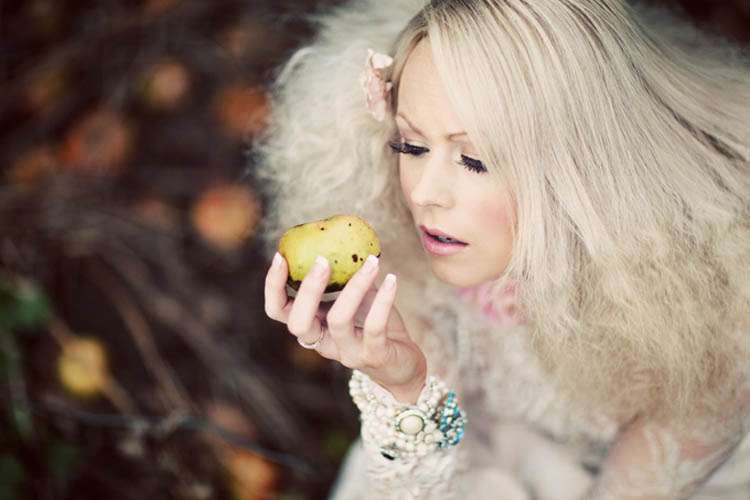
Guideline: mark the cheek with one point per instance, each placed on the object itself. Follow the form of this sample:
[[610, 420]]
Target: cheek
[[495, 214], [406, 186]]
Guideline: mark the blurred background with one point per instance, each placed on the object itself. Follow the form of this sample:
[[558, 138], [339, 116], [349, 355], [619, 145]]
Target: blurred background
[[136, 361]]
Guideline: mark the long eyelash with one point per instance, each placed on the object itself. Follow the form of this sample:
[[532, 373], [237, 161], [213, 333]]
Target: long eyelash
[[409, 149], [473, 165]]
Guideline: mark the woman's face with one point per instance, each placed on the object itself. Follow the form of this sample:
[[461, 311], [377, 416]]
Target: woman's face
[[444, 182]]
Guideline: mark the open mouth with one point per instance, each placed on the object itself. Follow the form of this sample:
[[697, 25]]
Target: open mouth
[[444, 239]]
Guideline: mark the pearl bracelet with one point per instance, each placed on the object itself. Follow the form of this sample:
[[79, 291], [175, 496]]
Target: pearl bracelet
[[402, 430]]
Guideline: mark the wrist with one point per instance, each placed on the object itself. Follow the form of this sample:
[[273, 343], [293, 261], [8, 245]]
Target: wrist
[[409, 393]]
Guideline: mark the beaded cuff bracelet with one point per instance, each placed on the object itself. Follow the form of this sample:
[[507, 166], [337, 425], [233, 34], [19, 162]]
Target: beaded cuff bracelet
[[404, 431]]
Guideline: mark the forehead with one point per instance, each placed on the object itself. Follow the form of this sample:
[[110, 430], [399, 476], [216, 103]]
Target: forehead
[[419, 75], [421, 95]]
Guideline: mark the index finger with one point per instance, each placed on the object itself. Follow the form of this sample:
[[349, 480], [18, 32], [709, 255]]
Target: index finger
[[277, 304]]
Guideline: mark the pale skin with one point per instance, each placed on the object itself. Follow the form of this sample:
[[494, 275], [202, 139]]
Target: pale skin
[[441, 193], [441, 182], [382, 348]]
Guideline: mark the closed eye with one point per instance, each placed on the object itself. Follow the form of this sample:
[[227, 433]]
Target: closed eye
[[407, 149], [410, 149]]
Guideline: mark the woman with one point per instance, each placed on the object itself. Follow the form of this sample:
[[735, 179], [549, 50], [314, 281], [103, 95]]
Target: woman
[[589, 159]]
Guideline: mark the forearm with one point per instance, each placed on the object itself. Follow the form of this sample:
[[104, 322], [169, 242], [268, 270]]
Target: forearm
[[651, 461]]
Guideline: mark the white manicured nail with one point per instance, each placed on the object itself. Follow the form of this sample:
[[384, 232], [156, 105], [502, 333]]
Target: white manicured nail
[[320, 266], [370, 264], [389, 281]]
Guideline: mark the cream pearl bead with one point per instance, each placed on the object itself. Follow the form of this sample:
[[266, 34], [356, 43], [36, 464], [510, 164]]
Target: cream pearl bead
[[411, 424]]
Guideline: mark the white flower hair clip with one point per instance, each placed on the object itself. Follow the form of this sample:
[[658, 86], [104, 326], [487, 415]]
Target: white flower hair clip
[[376, 89]]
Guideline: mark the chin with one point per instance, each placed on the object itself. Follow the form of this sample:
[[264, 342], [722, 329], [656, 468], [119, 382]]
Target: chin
[[455, 276], [456, 279]]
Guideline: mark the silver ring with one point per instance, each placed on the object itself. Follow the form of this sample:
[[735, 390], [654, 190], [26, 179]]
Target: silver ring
[[315, 344]]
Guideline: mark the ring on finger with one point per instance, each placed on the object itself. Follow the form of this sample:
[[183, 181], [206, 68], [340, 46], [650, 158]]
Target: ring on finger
[[313, 345]]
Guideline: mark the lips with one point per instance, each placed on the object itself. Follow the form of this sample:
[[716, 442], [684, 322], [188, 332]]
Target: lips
[[436, 232]]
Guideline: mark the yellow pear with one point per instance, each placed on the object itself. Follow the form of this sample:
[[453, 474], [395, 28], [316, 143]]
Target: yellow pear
[[345, 240]]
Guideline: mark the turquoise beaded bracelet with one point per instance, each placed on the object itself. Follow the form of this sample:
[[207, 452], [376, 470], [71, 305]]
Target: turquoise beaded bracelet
[[451, 422]]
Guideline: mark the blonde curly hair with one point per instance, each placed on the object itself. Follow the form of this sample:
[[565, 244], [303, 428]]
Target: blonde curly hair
[[624, 135]]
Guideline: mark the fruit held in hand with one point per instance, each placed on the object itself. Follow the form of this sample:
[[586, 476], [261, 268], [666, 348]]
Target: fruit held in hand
[[345, 240]]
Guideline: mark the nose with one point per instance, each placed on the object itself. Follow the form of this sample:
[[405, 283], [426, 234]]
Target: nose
[[434, 184]]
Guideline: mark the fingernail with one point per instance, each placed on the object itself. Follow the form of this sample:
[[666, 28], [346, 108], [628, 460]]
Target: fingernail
[[320, 266], [276, 260], [370, 264], [390, 281]]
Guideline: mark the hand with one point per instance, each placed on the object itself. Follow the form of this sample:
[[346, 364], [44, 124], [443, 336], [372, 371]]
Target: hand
[[381, 348]]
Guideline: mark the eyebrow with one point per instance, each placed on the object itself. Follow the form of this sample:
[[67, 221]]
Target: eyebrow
[[415, 129]]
